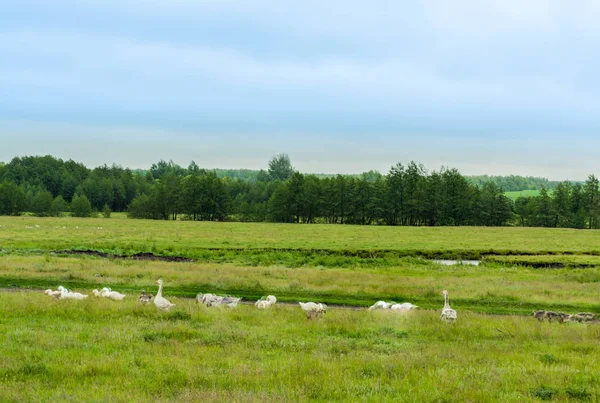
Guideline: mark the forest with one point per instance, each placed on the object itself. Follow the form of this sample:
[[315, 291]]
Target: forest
[[406, 195]]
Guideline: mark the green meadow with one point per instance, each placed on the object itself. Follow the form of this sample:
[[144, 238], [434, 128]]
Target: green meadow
[[514, 195], [192, 239], [102, 350]]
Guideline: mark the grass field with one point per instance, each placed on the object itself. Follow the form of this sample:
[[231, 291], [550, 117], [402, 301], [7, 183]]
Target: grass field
[[185, 238], [101, 350], [522, 193]]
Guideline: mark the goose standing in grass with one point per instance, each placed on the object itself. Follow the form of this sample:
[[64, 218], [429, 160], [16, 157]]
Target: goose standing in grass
[[114, 295], [161, 303], [448, 314], [272, 299], [145, 298], [97, 293]]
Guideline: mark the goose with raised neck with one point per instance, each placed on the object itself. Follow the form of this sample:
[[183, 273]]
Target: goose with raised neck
[[159, 301]]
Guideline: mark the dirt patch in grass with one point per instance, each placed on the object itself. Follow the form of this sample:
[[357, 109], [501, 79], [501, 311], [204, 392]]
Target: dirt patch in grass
[[136, 256]]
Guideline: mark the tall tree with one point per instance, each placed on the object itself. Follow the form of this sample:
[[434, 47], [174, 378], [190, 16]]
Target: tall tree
[[280, 167], [591, 192]]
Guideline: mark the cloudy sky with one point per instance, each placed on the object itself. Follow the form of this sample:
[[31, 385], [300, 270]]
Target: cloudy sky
[[488, 87]]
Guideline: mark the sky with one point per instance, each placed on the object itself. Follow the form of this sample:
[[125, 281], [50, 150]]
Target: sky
[[488, 87]]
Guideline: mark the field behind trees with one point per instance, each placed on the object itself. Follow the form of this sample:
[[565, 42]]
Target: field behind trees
[[98, 349]]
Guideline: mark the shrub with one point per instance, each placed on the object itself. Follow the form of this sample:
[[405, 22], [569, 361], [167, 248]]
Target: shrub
[[81, 206], [106, 211]]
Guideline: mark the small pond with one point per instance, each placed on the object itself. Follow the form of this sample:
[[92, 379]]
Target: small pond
[[446, 262]]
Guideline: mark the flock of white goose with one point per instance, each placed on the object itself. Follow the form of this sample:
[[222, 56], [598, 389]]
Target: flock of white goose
[[311, 309]]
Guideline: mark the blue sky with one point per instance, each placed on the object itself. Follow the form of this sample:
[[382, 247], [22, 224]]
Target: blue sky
[[489, 87]]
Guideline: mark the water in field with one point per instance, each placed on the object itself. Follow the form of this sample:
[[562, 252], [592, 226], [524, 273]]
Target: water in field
[[447, 262]]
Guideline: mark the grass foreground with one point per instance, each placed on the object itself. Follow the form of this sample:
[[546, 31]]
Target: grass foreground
[[98, 349]]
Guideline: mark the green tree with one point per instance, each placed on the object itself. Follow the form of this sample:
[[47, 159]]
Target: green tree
[[81, 206], [141, 207], [280, 167], [106, 211], [395, 195], [495, 207], [591, 197], [562, 205], [12, 199], [42, 204], [544, 209], [59, 206]]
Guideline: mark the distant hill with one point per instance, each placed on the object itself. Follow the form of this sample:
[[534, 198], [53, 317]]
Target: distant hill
[[515, 194], [510, 183], [513, 183]]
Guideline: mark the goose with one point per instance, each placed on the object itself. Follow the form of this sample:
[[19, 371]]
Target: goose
[[380, 305], [67, 294], [564, 317], [550, 315], [262, 304], [161, 303], [211, 300], [539, 315], [230, 302], [448, 314], [114, 295], [97, 293], [406, 306], [583, 317], [55, 294], [266, 302], [312, 309], [145, 298]]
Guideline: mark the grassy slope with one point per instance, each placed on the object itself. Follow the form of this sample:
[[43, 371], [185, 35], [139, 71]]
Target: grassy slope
[[192, 238], [521, 193], [102, 350]]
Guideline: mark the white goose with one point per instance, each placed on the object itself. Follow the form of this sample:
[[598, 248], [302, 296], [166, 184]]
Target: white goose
[[55, 294], [108, 293], [448, 314], [67, 294], [230, 302], [406, 306], [161, 303], [266, 302], [262, 304], [313, 310], [380, 305]]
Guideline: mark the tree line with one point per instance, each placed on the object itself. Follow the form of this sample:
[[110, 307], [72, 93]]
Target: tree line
[[406, 195]]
